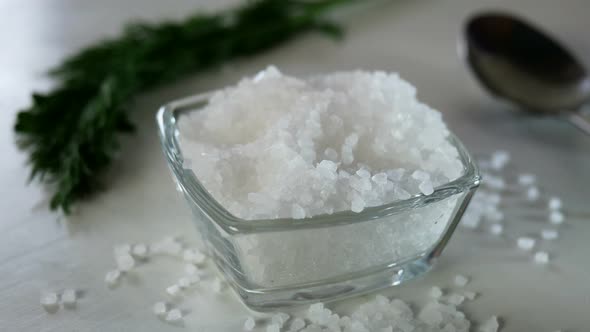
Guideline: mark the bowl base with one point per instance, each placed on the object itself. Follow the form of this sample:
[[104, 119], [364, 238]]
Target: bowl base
[[369, 281]]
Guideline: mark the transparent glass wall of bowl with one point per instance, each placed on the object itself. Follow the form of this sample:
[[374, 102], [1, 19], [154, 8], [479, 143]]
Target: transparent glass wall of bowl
[[273, 263]]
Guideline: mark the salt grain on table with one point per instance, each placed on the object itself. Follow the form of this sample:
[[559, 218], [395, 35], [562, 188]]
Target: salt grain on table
[[554, 203], [160, 309], [541, 257], [461, 280], [174, 316], [112, 278], [50, 302], [173, 290], [125, 262], [556, 217], [525, 243], [549, 234], [69, 298]]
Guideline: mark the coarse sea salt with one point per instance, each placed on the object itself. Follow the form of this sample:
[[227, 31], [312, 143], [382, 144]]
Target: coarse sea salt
[[112, 278], [461, 280], [276, 146], [491, 325], [125, 262], [554, 203], [249, 324], [173, 290], [160, 309], [50, 302], [549, 234], [525, 243], [556, 217], [496, 229], [436, 292], [69, 298], [541, 257], [174, 316], [281, 147]]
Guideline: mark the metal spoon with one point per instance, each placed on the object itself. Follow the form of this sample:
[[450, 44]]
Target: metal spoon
[[522, 64]]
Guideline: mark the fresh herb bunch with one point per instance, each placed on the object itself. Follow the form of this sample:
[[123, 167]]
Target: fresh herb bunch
[[72, 132]]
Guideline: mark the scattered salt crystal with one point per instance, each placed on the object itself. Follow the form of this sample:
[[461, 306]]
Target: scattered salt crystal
[[541, 257], [470, 295], [112, 278], [280, 318], [456, 299], [184, 282], [173, 290], [249, 324], [549, 234], [125, 262], [49, 301], [273, 328], [532, 194], [69, 298], [470, 219], [526, 179], [217, 285], [193, 256], [554, 203], [495, 182], [122, 249], [461, 280], [436, 292], [140, 251], [499, 159], [160, 309], [525, 243], [174, 316], [491, 325], [297, 324], [556, 217], [169, 246], [496, 229]]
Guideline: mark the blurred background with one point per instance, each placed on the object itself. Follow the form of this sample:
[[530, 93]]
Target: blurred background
[[418, 39]]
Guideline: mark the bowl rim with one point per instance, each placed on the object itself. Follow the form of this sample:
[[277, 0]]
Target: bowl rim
[[196, 193]]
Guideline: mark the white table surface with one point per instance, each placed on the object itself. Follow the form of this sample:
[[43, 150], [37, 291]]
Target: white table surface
[[416, 38]]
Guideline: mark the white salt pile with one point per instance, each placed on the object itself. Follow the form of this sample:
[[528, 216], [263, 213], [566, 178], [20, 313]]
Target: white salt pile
[[276, 146]]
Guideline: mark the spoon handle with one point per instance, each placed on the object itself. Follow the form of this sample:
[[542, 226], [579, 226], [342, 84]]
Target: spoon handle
[[579, 121]]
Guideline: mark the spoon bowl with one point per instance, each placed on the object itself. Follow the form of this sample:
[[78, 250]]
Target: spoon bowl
[[518, 62]]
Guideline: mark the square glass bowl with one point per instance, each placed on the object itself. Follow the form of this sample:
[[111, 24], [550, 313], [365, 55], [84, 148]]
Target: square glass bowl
[[284, 262]]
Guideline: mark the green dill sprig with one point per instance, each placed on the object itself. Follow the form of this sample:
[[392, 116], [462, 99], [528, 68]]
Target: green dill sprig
[[72, 132]]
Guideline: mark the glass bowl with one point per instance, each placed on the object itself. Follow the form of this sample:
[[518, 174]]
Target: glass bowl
[[284, 262]]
